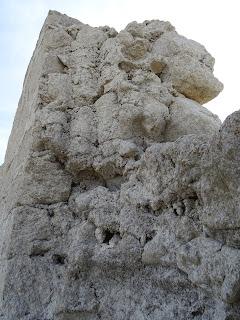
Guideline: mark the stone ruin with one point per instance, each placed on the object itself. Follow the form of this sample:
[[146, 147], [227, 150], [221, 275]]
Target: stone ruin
[[120, 192]]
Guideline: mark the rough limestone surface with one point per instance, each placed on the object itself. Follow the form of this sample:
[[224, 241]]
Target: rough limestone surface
[[119, 194]]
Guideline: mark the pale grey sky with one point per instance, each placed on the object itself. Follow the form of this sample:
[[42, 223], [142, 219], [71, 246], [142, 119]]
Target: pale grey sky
[[213, 23]]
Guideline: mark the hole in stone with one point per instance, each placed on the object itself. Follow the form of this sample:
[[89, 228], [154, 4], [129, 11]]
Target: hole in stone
[[183, 208], [137, 157], [154, 36], [96, 143], [198, 312], [150, 236], [148, 207], [175, 212], [108, 236], [129, 76], [172, 163], [50, 213], [38, 252], [194, 196], [59, 259]]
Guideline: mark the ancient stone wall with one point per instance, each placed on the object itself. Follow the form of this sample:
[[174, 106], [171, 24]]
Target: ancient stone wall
[[119, 192]]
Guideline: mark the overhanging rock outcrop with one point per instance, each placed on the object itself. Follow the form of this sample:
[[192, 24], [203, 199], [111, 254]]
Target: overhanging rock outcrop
[[119, 192]]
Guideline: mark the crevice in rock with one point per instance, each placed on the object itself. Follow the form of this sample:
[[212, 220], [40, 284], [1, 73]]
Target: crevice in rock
[[38, 252], [150, 236], [50, 212], [114, 184], [198, 312], [97, 299], [64, 66], [59, 259], [108, 235]]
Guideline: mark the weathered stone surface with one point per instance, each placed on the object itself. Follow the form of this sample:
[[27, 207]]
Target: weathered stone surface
[[119, 192]]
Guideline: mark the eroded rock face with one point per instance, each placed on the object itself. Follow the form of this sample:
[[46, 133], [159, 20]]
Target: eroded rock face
[[119, 192]]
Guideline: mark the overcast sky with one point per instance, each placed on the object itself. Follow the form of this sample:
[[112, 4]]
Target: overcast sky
[[213, 23]]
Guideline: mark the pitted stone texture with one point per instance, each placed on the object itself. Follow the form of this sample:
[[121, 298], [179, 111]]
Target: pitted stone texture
[[119, 192], [212, 266]]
